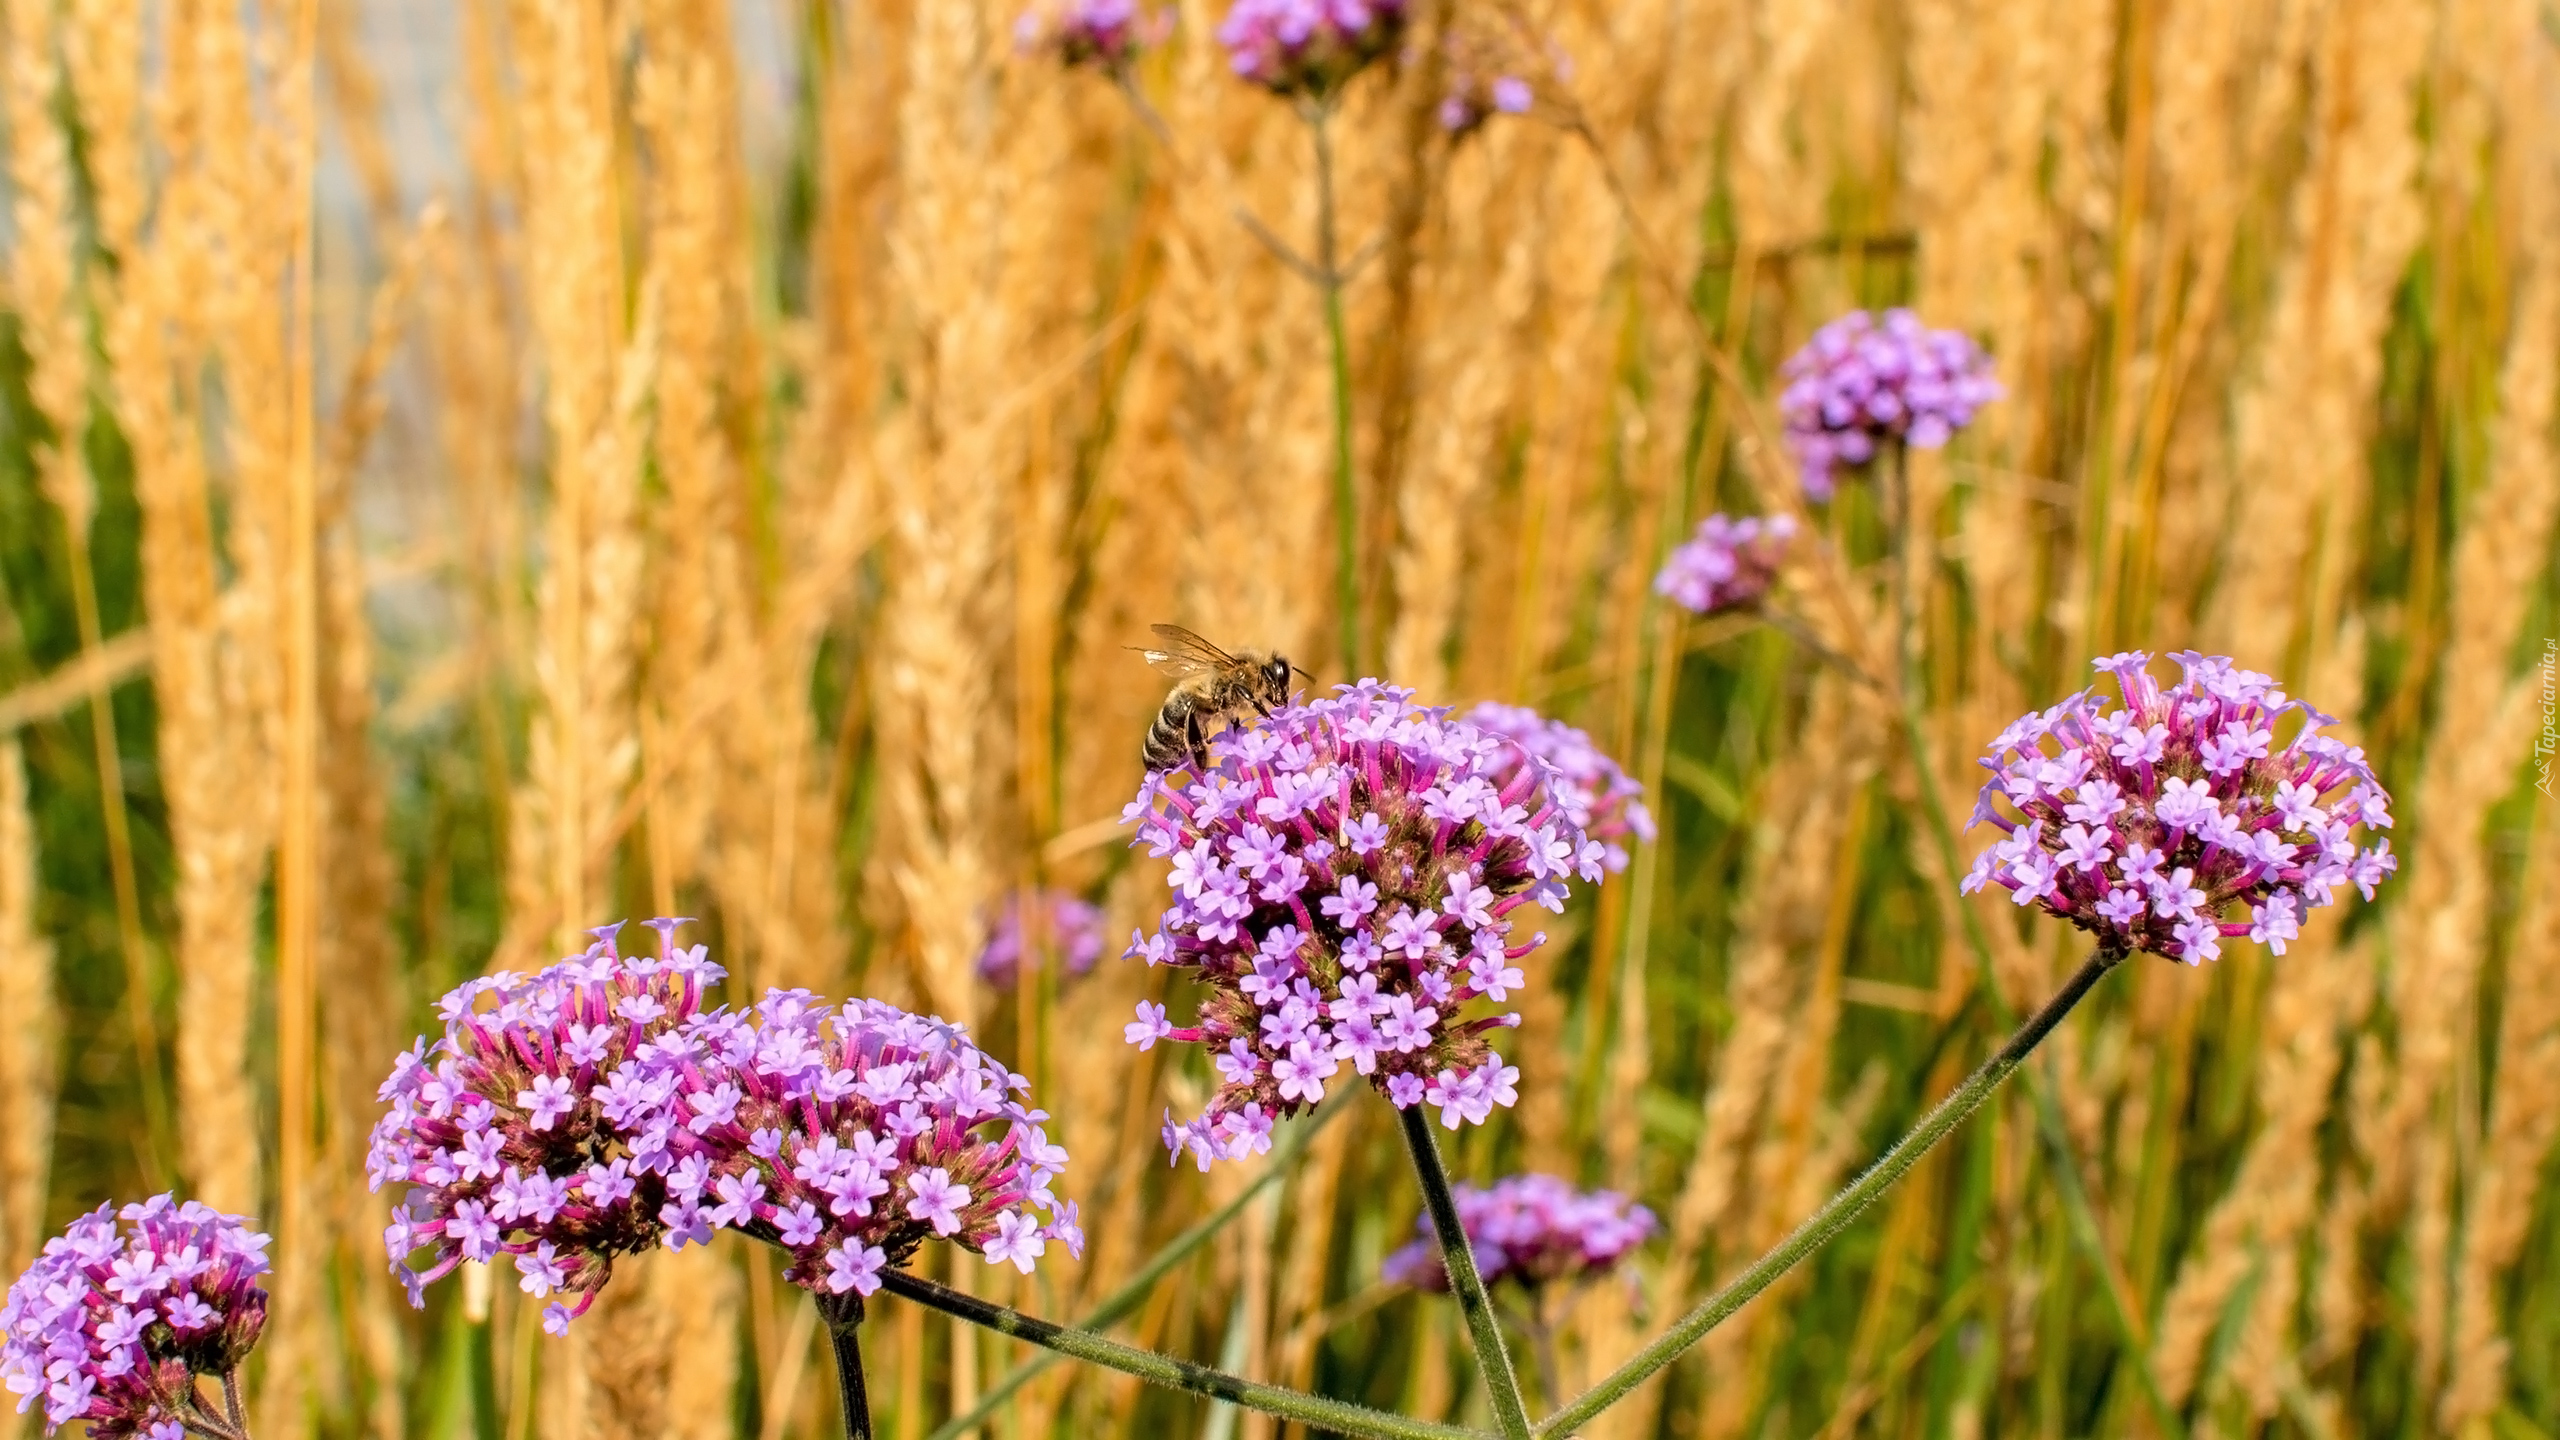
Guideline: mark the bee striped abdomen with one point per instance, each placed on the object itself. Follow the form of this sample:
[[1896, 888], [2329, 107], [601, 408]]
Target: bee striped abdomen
[[1169, 738]]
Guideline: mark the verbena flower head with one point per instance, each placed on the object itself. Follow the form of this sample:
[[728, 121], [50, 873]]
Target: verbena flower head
[[1727, 564], [1475, 98], [1344, 882], [1862, 381], [860, 1132], [1308, 47], [1604, 800], [2175, 821], [1529, 1229], [113, 1326], [1108, 34], [596, 1109], [1074, 934]]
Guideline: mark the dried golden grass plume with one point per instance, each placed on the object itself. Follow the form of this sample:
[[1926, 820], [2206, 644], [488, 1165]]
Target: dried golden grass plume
[[28, 1021]]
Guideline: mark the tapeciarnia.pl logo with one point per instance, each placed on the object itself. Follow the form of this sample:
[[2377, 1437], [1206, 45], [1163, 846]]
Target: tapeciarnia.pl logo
[[2550, 739]]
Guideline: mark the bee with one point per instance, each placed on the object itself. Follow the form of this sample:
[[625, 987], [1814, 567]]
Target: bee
[[1210, 687]]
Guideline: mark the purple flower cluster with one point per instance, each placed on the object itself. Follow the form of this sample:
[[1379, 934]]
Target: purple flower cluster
[[595, 1109], [1475, 97], [113, 1327], [1308, 47], [1075, 930], [1345, 878], [1488, 65], [1602, 800], [1727, 564], [2146, 824], [1104, 33], [1861, 381], [1530, 1228]]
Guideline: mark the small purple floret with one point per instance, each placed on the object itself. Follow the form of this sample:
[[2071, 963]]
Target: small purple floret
[[1075, 935], [1863, 381], [1727, 565], [1531, 1230], [1308, 47], [1108, 34], [1604, 800], [1344, 882], [114, 1327], [2148, 825]]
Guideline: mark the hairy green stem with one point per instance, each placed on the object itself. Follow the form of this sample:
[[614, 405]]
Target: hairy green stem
[[1493, 1358], [1124, 1302], [2041, 1087], [1843, 1208], [844, 1334], [1314, 1411], [1346, 501], [1898, 515]]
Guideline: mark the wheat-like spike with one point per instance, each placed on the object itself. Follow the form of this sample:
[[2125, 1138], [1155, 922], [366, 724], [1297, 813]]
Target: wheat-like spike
[[2523, 1123], [29, 1020], [2439, 925], [2494, 561], [936, 668]]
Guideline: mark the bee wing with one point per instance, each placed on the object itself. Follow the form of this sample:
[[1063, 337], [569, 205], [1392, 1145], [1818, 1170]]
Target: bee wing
[[1185, 654]]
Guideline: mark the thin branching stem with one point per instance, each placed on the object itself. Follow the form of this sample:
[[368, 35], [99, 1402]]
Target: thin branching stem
[[1125, 1301], [1346, 525], [1493, 1358], [1542, 1349], [1314, 1411], [2041, 1087], [1843, 1208]]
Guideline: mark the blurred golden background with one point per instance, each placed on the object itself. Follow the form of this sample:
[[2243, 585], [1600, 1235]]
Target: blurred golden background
[[469, 472]]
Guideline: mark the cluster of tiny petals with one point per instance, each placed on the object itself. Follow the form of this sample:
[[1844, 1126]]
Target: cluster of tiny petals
[[113, 1326], [1599, 797], [1105, 33], [1074, 934], [1474, 98], [2176, 821], [1488, 68], [1530, 1229], [1344, 879], [1308, 47], [1864, 380], [1727, 564], [596, 1109]]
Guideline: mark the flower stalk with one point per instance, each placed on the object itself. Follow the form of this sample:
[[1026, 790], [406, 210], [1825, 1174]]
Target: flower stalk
[[1314, 1411], [1493, 1358], [843, 1314], [1125, 1301], [1330, 279], [1843, 1208]]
